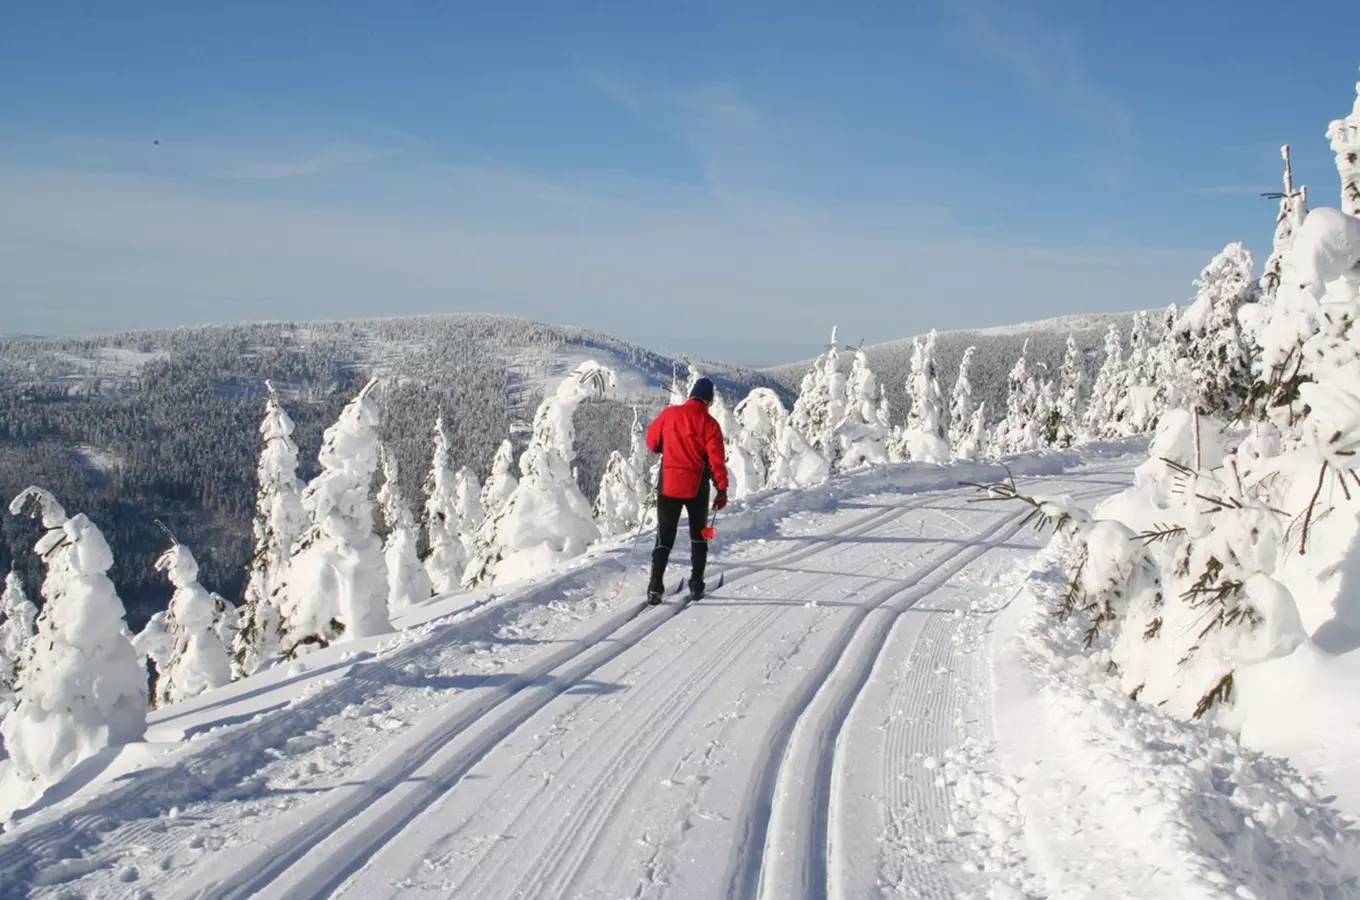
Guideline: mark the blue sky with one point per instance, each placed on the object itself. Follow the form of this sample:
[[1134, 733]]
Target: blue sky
[[722, 178]]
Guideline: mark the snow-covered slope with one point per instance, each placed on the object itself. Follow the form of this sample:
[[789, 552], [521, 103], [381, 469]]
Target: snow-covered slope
[[804, 731]]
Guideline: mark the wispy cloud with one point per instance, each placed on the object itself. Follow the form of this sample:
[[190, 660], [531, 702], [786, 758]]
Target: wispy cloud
[[1044, 52]]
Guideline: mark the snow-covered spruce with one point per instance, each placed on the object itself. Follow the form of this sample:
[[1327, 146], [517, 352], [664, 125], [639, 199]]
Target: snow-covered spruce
[[278, 523], [501, 483], [760, 419], [1170, 364], [624, 489], [446, 557], [337, 578], [1219, 372], [1099, 419], [1021, 431], [407, 581], [821, 401], [961, 409], [862, 436], [193, 658], [1344, 135], [925, 438], [17, 618], [1293, 208], [81, 688], [1071, 395], [1136, 410], [467, 503], [547, 519]]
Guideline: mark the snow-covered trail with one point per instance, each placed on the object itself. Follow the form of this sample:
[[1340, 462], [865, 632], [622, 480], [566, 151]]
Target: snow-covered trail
[[774, 740]]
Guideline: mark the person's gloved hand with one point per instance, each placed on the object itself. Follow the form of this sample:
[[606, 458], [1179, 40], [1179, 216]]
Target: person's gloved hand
[[720, 501]]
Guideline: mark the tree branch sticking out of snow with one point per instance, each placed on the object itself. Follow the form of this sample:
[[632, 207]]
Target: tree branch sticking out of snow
[[337, 578], [82, 688], [547, 519], [278, 523]]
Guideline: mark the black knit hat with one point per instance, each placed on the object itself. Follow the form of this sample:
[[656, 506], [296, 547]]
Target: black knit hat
[[702, 390]]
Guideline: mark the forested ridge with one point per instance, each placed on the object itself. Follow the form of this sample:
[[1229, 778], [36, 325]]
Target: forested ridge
[[145, 427]]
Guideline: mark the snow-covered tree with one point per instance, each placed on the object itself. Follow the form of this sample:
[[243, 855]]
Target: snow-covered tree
[[1071, 395], [547, 519], [407, 581], [1099, 419], [761, 417], [467, 502], [1170, 367], [1136, 409], [278, 523], [961, 407], [1293, 207], [17, 618], [625, 488], [81, 687], [797, 462], [337, 578], [1345, 137], [1021, 431], [501, 484], [1219, 368], [862, 436], [446, 558], [971, 446], [926, 435], [820, 406], [198, 660]]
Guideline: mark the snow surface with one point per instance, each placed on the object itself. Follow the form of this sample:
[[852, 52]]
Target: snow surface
[[849, 716]]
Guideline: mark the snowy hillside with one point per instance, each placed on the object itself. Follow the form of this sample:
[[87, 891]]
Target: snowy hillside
[[997, 349], [140, 426]]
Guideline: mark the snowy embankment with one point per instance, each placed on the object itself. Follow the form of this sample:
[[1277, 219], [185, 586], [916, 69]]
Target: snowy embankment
[[1083, 792]]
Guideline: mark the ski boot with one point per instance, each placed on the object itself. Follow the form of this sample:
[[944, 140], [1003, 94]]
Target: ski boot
[[696, 590]]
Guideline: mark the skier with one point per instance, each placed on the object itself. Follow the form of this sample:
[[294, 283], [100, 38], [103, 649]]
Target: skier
[[690, 442]]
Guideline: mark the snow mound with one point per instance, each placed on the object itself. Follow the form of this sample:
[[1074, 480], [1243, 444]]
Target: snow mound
[[1136, 803]]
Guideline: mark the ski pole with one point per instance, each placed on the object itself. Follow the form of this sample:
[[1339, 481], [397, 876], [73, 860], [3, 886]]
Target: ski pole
[[632, 550]]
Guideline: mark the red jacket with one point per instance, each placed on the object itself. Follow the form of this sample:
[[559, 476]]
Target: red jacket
[[691, 444]]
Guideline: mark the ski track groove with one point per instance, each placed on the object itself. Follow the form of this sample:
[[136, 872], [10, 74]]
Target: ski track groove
[[813, 734], [745, 870], [579, 832], [597, 648], [137, 810], [607, 812], [617, 762]]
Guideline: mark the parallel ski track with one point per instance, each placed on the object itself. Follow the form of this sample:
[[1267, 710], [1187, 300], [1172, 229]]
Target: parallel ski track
[[787, 823], [439, 761], [574, 842], [235, 756]]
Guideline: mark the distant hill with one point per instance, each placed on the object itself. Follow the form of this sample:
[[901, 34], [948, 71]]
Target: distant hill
[[997, 350], [143, 426]]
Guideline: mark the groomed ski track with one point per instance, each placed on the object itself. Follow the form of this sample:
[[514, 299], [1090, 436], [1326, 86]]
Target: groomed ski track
[[774, 740]]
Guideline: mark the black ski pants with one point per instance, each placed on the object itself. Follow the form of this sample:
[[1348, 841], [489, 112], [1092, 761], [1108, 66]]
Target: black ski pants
[[668, 523]]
